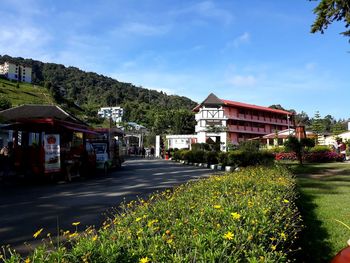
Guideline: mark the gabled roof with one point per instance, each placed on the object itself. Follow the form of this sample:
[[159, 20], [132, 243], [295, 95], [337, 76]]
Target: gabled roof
[[255, 107], [37, 112], [285, 133], [214, 100]]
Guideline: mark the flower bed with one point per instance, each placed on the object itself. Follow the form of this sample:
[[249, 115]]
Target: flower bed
[[312, 157], [247, 216]]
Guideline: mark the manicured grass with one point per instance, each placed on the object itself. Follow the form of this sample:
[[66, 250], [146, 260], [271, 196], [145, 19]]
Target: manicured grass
[[26, 93], [324, 198]]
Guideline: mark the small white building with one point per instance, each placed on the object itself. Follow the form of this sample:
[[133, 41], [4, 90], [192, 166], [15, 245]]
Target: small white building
[[115, 113], [181, 141], [16, 72]]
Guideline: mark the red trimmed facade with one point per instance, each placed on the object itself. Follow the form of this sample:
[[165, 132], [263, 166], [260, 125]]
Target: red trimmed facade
[[234, 121]]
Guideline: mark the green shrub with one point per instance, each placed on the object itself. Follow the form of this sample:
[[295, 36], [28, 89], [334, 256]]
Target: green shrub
[[277, 149], [247, 216], [180, 154], [211, 157], [244, 158], [249, 146], [200, 146], [319, 148], [223, 158], [199, 156]]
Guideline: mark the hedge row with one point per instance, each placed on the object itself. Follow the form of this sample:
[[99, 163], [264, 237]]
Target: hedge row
[[247, 216], [232, 158]]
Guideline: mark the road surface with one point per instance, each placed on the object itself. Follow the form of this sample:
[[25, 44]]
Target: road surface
[[24, 209]]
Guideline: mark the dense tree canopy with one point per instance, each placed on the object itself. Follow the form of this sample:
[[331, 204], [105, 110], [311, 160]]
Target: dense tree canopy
[[74, 88], [329, 11]]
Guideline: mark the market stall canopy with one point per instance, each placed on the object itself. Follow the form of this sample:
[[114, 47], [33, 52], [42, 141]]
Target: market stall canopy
[[27, 112]]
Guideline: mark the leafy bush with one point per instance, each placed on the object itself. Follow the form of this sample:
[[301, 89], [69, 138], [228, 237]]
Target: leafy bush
[[244, 158], [223, 158], [211, 157], [319, 148], [277, 149], [323, 157], [200, 146], [248, 216], [249, 146], [5, 103], [317, 156], [180, 154], [291, 156]]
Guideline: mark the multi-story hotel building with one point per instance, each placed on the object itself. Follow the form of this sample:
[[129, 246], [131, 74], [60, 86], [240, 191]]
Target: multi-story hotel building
[[234, 122], [16, 72], [115, 113]]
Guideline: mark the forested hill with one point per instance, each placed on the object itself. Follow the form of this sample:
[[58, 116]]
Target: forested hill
[[94, 90]]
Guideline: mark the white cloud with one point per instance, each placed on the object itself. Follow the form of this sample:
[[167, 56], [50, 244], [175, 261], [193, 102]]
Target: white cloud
[[238, 41], [23, 40], [143, 29], [243, 81], [207, 9]]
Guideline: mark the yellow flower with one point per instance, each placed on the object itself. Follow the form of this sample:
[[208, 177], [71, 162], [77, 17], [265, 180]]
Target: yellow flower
[[285, 201], [73, 235], [138, 219], [235, 215], [76, 223], [27, 260], [273, 247], [144, 260], [169, 241], [228, 235], [217, 206], [37, 233], [283, 235], [94, 238]]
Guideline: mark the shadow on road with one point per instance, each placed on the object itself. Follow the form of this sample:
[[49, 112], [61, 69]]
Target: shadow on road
[[26, 208]]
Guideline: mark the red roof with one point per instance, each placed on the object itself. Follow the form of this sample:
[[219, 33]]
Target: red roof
[[255, 107]]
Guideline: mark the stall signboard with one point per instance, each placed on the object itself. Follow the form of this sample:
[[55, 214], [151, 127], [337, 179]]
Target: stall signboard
[[52, 153]]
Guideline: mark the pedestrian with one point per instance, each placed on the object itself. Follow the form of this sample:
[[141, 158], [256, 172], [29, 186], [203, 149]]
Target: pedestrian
[[342, 149], [6, 156], [152, 152], [143, 152]]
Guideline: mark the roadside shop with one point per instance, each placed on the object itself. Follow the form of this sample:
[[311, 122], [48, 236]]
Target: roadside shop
[[48, 141]]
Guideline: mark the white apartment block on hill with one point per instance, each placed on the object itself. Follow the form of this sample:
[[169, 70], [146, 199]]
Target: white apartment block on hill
[[115, 113], [16, 72]]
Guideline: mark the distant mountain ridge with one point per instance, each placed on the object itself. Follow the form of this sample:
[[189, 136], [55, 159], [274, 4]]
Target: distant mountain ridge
[[91, 90]]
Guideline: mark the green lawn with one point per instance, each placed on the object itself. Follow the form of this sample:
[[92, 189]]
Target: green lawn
[[25, 93], [324, 198]]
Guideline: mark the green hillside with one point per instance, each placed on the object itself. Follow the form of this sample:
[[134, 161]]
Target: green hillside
[[24, 93], [83, 93]]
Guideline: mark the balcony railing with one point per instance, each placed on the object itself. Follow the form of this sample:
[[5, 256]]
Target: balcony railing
[[258, 119], [245, 129]]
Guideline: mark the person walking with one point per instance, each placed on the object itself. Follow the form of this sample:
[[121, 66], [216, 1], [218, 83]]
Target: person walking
[[6, 156]]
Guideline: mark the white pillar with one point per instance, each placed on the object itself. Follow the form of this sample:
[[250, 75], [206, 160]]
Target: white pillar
[[157, 149]]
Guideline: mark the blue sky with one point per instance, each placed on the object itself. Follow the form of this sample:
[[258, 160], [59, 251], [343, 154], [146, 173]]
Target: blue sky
[[259, 52]]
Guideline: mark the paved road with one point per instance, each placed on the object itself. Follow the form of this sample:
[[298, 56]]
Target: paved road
[[25, 209]]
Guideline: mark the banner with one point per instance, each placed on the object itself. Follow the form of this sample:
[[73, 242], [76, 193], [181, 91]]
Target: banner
[[52, 153]]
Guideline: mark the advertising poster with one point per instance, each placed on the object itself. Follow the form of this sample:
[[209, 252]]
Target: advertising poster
[[52, 153]]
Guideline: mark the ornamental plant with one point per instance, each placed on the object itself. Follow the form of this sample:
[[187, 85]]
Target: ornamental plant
[[246, 216]]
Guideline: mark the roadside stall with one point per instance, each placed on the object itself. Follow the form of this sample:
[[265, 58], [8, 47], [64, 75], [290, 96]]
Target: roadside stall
[[48, 141]]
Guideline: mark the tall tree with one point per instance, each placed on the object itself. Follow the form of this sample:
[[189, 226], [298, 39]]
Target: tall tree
[[329, 11], [317, 124]]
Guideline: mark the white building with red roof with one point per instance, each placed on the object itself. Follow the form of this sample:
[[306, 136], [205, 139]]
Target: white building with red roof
[[232, 122]]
